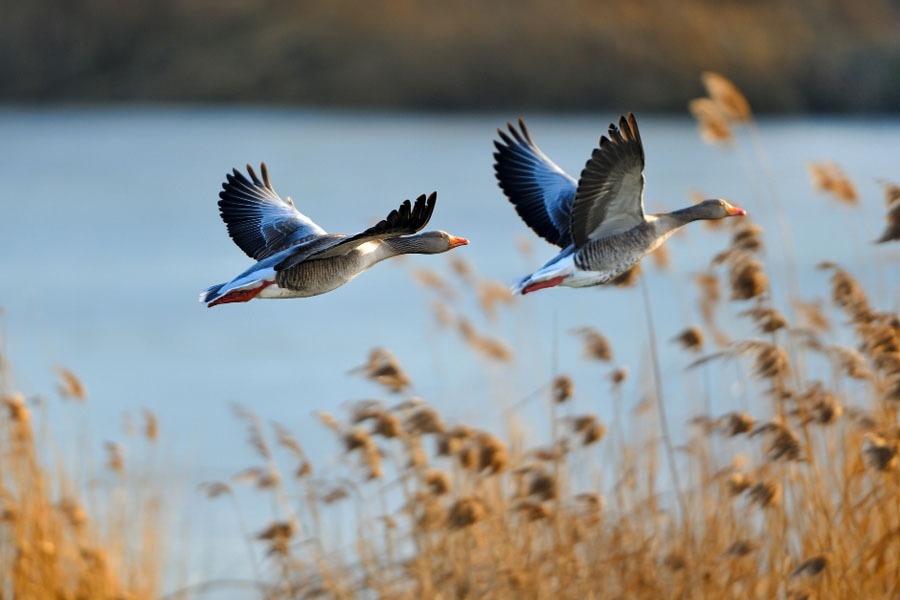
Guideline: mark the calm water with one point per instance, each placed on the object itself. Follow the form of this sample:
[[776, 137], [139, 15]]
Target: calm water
[[109, 230]]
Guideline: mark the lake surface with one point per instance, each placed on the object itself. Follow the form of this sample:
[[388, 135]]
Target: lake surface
[[109, 230]]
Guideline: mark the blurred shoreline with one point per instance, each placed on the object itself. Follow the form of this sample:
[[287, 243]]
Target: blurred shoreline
[[830, 56]]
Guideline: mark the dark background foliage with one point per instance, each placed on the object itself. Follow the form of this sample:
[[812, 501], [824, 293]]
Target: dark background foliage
[[802, 55]]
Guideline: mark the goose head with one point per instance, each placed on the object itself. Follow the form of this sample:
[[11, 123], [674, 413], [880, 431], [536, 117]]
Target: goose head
[[429, 242], [715, 208]]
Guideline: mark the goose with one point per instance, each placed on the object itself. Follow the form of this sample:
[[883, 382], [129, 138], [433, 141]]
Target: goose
[[599, 220], [295, 257]]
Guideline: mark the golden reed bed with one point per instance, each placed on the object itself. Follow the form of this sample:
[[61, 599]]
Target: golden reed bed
[[794, 497]]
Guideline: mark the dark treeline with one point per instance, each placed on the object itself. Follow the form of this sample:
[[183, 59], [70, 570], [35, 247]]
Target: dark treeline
[[799, 55]]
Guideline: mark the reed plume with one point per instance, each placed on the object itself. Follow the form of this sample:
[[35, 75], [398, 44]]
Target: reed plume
[[892, 201], [830, 178], [714, 127], [727, 97]]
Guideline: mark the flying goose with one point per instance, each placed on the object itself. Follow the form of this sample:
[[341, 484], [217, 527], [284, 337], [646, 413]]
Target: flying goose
[[599, 220], [295, 257]]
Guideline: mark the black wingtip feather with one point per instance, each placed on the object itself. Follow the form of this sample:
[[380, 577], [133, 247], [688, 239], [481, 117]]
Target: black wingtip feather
[[407, 218], [253, 176], [265, 174]]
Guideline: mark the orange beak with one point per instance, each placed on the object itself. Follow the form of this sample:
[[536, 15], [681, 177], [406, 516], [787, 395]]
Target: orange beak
[[734, 211], [458, 241]]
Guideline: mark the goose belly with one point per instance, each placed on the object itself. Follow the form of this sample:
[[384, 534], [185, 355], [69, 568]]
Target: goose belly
[[316, 277], [276, 291], [599, 276], [601, 261]]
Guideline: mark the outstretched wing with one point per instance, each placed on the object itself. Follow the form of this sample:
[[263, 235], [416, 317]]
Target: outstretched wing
[[407, 219], [611, 189], [258, 220], [541, 192]]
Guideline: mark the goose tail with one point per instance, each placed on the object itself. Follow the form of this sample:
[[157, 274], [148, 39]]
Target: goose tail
[[211, 293], [519, 285]]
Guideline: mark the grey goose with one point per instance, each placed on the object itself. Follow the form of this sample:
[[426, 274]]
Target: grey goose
[[598, 221], [295, 257]]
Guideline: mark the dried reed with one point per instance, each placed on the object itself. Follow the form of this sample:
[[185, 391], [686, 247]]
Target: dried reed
[[892, 201], [830, 178]]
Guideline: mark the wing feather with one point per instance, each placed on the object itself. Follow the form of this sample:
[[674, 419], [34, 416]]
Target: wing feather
[[609, 198], [540, 191], [258, 220], [408, 219]]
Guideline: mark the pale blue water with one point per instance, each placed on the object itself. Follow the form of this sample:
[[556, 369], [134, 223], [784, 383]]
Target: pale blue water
[[109, 230]]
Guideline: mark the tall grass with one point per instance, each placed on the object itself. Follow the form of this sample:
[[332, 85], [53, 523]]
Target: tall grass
[[791, 494], [64, 534], [795, 497]]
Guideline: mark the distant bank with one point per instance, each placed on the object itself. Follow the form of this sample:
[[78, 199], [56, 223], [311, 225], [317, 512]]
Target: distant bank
[[798, 56]]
